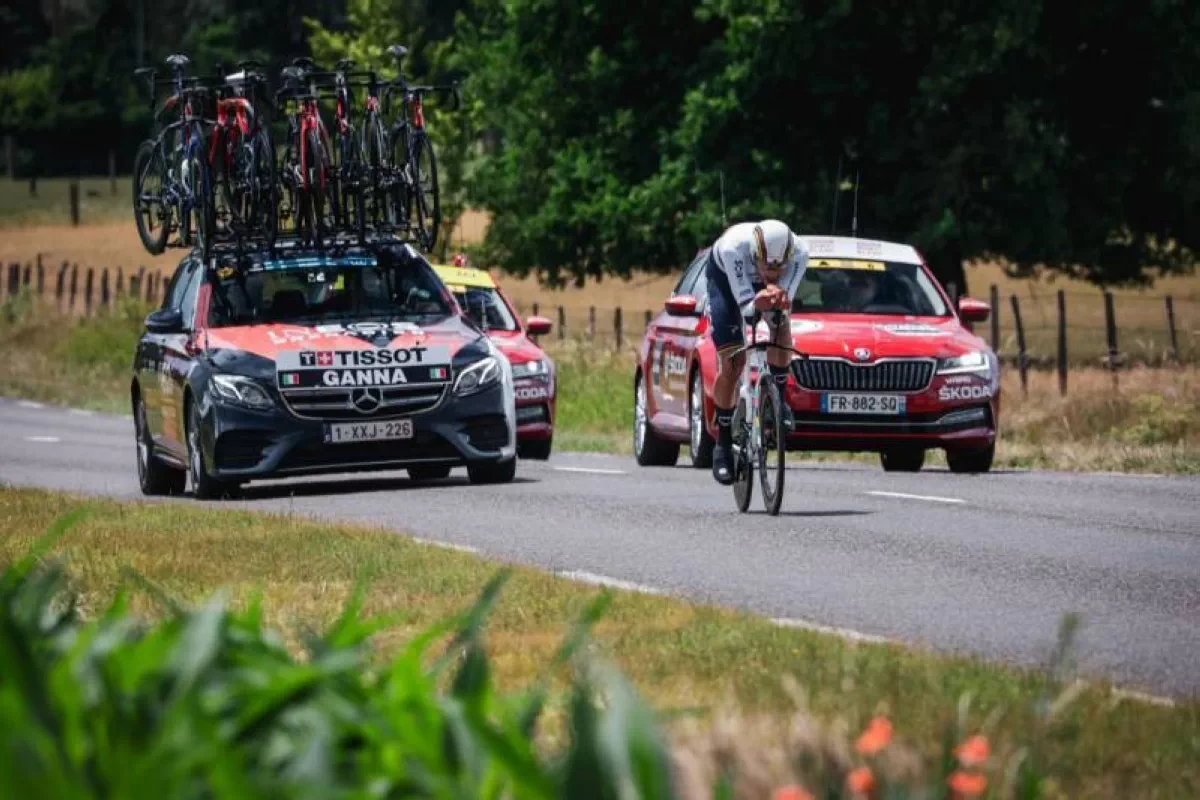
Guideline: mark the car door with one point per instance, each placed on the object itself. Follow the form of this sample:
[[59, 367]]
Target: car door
[[179, 353], [164, 357], [150, 359], [676, 336]]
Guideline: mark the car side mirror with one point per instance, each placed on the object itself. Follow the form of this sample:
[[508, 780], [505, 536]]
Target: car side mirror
[[682, 305], [537, 326], [165, 320], [972, 310]]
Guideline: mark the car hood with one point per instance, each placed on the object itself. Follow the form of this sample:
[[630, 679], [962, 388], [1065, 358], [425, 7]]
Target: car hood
[[267, 341], [886, 336], [516, 346]]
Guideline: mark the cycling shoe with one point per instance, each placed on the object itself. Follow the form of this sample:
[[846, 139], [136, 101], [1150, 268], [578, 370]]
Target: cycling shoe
[[722, 465]]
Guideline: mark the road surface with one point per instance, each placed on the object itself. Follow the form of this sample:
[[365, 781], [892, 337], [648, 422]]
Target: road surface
[[985, 565]]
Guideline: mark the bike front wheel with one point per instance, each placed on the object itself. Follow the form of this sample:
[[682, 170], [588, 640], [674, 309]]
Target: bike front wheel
[[426, 196], [772, 444], [151, 211], [743, 464]]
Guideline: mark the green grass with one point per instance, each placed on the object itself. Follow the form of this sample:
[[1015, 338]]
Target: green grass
[[738, 673], [52, 204]]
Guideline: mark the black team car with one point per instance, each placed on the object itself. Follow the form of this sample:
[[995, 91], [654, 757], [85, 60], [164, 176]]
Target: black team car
[[268, 364]]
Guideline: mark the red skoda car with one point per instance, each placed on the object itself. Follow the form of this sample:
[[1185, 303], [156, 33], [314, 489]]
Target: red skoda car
[[893, 366]]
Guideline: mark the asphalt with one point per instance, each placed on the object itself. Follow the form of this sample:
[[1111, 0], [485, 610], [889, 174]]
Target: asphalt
[[985, 565]]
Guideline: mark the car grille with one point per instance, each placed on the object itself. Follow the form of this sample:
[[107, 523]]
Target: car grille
[[835, 374], [331, 404], [314, 453]]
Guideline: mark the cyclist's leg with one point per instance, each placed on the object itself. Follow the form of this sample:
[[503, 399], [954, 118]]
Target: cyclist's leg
[[726, 320], [779, 362]]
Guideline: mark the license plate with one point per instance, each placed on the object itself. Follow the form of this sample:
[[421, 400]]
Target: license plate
[[835, 403], [337, 433]]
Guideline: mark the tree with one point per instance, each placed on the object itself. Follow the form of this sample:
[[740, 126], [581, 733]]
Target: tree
[[973, 126]]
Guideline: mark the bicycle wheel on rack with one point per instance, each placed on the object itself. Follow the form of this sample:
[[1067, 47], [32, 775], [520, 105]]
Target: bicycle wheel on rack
[[425, 192], [312, 195], [237, 178], [743, 465], [265, 192], [352, 172], [151, 213], [374, 164], [772, 443]]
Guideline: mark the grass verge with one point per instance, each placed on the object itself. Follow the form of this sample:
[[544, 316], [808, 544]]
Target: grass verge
[[1148, 422], [1084, 741]]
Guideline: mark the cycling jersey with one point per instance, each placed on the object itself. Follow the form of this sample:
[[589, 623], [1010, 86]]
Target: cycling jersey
[[734, 280]]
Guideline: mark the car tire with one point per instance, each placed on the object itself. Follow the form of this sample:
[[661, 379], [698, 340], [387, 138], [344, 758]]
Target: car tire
[[155, 477], [429, 472], [903, 459], [536, 449], [649, 448], [492, 471], [701, 443], [204, 486], [971, 461]]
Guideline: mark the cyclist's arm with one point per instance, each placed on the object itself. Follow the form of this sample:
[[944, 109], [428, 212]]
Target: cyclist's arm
[[796, 270]]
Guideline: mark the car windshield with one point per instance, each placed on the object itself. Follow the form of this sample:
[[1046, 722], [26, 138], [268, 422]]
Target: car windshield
[[486, 307], [852, 286], [295, 291]]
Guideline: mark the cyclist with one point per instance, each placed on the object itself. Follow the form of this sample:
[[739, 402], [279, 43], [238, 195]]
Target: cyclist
[[752, 267]]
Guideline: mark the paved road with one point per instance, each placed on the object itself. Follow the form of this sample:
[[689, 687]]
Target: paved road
[[985, 565]]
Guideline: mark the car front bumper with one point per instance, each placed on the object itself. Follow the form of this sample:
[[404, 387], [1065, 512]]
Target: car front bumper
[[244, 445], [535, 408]]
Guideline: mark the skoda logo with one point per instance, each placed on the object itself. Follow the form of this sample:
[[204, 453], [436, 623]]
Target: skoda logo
[[862, 354], [366, 400]]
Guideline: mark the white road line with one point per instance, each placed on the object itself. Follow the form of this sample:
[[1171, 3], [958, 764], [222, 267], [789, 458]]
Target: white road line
[[29, 404], [1142, 697], [611, 583], [592, 470], [80, 412], [43, 439], [461, 548], [928, 497], [841, 633]]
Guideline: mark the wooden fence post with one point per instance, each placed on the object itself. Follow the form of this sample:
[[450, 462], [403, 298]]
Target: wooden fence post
[[591, 328], [60, 285], [1110, 331], [120, 288], [87, 291], [1062, 342], [618, 329], [27, 276], [74, 199], [105, 297], [535, 308], [994, 294], [562, 324], [1022, 363], [649, 316], [14, 280], [41, 276], [1171, 329], [74, 287]]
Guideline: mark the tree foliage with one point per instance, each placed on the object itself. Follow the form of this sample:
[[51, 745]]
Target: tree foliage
[[1012, 130]]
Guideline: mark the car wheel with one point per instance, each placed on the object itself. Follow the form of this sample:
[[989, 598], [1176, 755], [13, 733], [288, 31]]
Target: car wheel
[[154, 477], [701, 443], [492, 472], [903, 459], [649, 449], [537, 449], [429, 472], [975, 460], [204, 486]]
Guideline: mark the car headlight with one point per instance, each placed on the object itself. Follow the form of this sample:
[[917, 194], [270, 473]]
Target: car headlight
[[480, 375], [530, 368], [241, 391], [974, 362]]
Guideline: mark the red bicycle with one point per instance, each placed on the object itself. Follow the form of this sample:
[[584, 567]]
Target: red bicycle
[[304, 169], [241, 154]]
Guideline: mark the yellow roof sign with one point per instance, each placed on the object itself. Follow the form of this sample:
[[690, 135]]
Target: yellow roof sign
[[464, 276], [846, 263]]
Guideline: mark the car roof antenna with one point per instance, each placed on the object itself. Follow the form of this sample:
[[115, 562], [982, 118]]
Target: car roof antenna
[[854, 219], [837, 191]]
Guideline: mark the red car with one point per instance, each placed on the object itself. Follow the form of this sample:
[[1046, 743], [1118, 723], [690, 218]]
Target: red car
[[893, 367], [533, 371]]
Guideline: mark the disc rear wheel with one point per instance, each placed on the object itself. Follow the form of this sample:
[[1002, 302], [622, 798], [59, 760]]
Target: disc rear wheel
[[772, 444], [743, 464]]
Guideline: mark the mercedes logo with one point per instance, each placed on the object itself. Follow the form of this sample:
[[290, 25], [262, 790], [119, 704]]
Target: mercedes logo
[[862, 354], [366, 401]]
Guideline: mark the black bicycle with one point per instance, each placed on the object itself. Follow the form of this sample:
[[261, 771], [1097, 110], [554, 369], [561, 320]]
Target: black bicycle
[[172, 181]]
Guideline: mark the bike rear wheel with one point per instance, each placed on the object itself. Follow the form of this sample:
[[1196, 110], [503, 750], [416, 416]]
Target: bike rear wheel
[[200, 202], [151, 212], [743, 465], [312, 195], [265, 191], [425, 192], [772, 444]]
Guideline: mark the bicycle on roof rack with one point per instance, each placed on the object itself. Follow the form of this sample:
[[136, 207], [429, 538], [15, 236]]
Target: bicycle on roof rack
[[304, 168], [242, 155], [172, 180], [759, 438]]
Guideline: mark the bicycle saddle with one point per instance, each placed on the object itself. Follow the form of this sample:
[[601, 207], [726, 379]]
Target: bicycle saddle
[[398, 50], [178, 61]]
